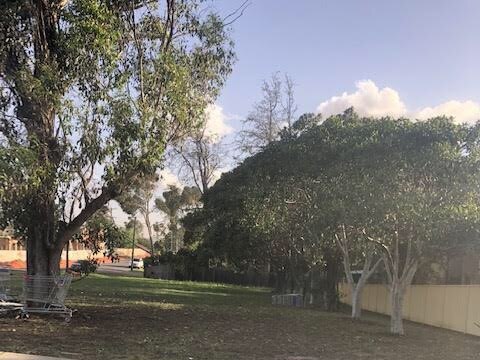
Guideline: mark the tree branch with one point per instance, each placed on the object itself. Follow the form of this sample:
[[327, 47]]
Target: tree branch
[[72, 228]]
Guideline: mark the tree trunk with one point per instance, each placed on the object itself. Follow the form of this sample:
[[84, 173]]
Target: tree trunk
[[133, 243], [357, 289], [397, 293], [398, 288], [332, 276], [357, 292], [42, 260], [44, 248], [149, 230]]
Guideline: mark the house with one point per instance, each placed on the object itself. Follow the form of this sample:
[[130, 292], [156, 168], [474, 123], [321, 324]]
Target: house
[[8, 241]]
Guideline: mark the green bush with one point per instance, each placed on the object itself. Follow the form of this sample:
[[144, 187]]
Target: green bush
[[182, 262], [88, 266]]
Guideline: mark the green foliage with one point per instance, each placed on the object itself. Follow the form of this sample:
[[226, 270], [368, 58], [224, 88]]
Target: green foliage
[[101, 234], [386, 181], [182, 262], [87, 267], [93, 91], [173, 204]]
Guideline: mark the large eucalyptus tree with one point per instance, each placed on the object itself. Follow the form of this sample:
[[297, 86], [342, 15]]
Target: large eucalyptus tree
[[92, 91]]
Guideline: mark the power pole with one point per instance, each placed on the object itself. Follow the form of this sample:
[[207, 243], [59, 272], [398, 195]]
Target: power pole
[[133, 242], [67, 252]]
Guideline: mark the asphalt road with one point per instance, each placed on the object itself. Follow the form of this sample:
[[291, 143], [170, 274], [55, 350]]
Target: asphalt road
[[120, 268]]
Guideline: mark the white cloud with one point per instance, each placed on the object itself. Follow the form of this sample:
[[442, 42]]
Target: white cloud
[[217, 174], [370, 100], [462, 111], [216, 123], [167, 177]]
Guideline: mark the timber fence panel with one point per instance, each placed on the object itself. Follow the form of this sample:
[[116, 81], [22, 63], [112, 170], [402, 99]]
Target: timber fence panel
[[455, 307], [434, 307], [473, 312]]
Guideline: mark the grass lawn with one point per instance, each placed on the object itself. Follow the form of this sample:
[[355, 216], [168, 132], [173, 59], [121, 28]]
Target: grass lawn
[[135, 318]]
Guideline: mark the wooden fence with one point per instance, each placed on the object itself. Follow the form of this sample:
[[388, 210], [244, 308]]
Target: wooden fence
[[455, 307]]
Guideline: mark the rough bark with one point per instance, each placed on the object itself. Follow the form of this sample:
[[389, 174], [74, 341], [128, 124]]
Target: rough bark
[[42, 259], [133, 244], [47, 237]]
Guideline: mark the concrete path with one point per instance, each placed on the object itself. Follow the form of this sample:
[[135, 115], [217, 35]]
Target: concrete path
[[12, 356]]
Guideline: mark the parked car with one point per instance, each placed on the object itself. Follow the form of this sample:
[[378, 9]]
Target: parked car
[[76, 267], [83, 267], [137, 264]]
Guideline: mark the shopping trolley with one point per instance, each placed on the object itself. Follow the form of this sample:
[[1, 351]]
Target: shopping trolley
[[4, 284], [7, 304], [46, 295]]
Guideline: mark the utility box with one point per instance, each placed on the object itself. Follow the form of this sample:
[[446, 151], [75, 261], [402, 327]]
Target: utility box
[[288, 299]]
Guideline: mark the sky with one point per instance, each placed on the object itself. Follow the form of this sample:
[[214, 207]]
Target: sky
[[414, 58], [426, 51]]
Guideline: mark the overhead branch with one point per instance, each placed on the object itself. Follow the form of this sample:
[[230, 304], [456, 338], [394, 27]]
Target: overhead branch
[[236, 14], [72, 228]]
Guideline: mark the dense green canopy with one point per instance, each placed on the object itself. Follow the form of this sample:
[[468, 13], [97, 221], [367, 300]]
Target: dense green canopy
[[410, 188]]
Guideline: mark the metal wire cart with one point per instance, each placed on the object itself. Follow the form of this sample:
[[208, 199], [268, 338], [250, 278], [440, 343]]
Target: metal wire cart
[[46, 295]]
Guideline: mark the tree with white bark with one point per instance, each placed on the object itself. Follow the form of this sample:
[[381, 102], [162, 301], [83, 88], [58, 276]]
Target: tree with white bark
[[425, 189], [405, 191], [366, 251]]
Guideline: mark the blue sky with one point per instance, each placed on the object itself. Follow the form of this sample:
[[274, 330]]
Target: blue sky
[[426, 50]]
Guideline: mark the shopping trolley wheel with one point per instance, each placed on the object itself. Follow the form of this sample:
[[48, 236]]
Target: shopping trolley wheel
[[23, 316], [68, 317]]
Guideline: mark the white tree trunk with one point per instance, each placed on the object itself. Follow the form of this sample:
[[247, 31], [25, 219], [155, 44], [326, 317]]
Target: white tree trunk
[[357, 302], [398, 288], [357, 289], [397, 293]]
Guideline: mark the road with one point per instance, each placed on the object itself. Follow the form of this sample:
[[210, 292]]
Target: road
[[120, 268]]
